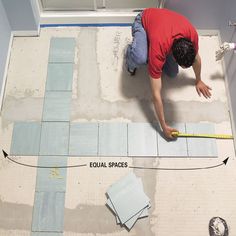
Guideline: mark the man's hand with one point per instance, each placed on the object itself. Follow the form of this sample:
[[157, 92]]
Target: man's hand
[[203, 89], [168, 132], [200, 86]]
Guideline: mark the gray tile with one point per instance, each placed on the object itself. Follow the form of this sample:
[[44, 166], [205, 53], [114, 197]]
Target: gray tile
[[142, 139], [144, 212], [54, 138], [122, 186], [51, 179], [45, 234], [201, 147], [129, 224], [119, 186], [57, 106], [26, 138], [112, 139], [62, 50], [127, 180], [83, 139], [129, 202], [175, 148], [59, 77], [109, 204], [48, 213]]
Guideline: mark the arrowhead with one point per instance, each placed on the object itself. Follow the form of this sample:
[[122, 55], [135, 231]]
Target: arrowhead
[[226, 160], [4, 153]]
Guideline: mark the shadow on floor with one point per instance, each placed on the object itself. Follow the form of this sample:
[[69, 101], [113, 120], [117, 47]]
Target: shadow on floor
[[217, 76], [138, 87]]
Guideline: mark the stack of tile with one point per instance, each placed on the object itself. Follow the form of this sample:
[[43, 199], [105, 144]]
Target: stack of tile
[[128, 201]]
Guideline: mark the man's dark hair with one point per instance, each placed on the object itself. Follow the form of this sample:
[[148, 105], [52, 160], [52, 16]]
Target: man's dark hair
[[183, 52]]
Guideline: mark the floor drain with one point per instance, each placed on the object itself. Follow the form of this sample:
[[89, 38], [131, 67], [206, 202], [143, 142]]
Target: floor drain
[[218, 227]]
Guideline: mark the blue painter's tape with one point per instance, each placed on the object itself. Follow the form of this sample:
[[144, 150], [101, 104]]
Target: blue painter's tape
[[87, 25]]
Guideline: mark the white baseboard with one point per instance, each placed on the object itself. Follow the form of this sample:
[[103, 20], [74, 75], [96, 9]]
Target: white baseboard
[[208, 32], [5, 71], [20, 33], [96, 17]]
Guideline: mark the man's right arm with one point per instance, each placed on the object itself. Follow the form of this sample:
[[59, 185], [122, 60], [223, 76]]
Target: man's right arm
[[158, 105]]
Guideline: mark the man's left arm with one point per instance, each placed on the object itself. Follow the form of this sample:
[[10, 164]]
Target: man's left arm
[[201, 87]]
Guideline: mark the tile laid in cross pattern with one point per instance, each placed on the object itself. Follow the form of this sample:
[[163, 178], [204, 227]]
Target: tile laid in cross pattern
[[54, 138], [51, 179], [59, 77], [57, 106], [142, 139], [26, 138], [48, 213], [173, 148], [83, 139], [62, 50], [112, 139], [201, 147]]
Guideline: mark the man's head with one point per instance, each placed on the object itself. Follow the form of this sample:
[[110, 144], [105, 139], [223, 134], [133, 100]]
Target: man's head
[[183, 51]]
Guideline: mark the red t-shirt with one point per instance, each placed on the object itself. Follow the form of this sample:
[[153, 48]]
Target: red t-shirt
[[163, 27]]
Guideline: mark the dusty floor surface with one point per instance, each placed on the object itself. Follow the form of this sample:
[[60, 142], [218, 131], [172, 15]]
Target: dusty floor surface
[[183, 202]]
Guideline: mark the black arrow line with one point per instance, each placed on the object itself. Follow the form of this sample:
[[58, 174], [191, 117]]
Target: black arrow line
[[132, 167], [43, 167], [196, 168]]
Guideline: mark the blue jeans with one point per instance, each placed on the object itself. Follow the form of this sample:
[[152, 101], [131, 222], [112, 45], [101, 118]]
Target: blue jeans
[[137, 52]]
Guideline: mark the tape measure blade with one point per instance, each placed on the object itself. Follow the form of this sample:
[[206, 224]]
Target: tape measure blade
[[217, 136]]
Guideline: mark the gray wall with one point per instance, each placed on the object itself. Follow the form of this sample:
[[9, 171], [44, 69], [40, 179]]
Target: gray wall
[[5, 33], [20, 15], [204, 14]]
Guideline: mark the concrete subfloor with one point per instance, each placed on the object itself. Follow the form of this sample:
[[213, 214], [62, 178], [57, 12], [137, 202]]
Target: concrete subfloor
[[183, 202]]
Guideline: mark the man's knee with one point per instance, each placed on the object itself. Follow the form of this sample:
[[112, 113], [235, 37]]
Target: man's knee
[[172, 73]]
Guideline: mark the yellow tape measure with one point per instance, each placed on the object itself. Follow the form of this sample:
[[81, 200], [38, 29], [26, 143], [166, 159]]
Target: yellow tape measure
[[216, 136]]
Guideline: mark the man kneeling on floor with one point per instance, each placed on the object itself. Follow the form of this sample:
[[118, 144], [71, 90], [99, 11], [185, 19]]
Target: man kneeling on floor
[[164, 39]]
